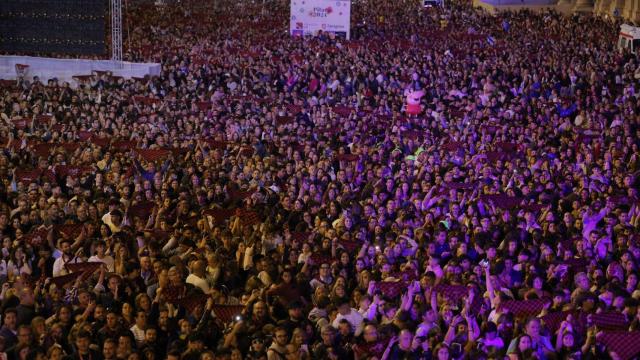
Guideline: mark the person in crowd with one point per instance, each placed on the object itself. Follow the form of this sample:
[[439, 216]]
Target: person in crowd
[[276, 197]]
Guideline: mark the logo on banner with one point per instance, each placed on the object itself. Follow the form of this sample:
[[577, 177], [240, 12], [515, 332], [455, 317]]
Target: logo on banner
[[318, 12]]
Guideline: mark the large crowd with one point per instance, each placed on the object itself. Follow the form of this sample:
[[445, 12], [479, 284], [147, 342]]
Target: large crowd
[[269, 197]]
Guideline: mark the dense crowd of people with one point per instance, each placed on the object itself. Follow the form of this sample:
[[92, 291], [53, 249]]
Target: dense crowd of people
[[268, 197]]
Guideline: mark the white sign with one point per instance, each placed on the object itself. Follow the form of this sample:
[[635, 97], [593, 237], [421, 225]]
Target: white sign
[[308, 17]]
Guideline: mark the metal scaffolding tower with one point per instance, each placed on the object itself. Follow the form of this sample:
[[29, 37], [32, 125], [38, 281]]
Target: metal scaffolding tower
[[115, 7]]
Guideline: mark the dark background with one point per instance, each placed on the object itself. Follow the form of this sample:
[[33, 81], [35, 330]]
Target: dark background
[[53, 26]]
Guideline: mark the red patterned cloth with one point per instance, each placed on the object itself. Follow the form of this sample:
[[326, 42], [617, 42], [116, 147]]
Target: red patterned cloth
[[453, 292], [219, 215], [452, 146], [282, 120], [69, 230], [44, 119], [533, 207], [367, 350], [411, 134], [153, 154], [190, 303], [123, 145], [146, 100], [42, 149], [248, 217], [70, 146], [350, 246], [62, 280], [35, 237], [28, 176], [87, 268], [502, 201], [300, 236], [227, 313], [458, 186], [342, 110], [102, 142], [84, 135], [506, 146], [391, 289], [142, 210], [20, 123], [347, 157], [74, 171], [240, 195], [159, 235], [215, 144], [173, 293], [525, 308], [553, 320], [319, 258], [203, 105], [406, 275], [625, 344], [610, 321]]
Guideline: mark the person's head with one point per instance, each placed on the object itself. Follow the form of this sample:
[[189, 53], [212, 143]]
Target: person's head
[[491, 331], [24, 334], [65, 247], [257, 342], [141, 319], [568, 339], [174, 355], [112, 319], [404, 339], [370, 333], [532, 328], [442, 352], [328, 334], [280, 336], [55, 353], [260, 309], [196, 343], [343, 305], [298, 336], [524, 343], [10, 318], [27, 296], [150, 335], [344, 327], [109, 349], [83, 340]]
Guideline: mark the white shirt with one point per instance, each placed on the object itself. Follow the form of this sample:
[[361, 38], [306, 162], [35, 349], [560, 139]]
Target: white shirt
[[107, 260], [198, 282], [138, 334], [58, 265], [354, 318]]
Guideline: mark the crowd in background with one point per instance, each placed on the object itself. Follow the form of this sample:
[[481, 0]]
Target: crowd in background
[[268, 197]]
